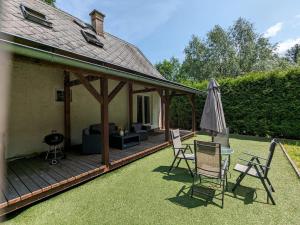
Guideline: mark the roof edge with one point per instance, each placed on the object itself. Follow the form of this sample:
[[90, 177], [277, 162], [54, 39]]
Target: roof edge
[[54, 55]]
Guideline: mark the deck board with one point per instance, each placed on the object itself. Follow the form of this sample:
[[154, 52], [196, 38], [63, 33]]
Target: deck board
[[10, 193], [28, 180], [3, 200], [44, 185], [41, 173], [17, 183]]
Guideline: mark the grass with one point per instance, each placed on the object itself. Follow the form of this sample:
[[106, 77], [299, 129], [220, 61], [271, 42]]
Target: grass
[[142, 193], [293, 149]]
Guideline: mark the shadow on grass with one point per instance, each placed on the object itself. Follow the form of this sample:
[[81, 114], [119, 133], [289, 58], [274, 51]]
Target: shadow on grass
[[184, 199], [246, 194], [204, 195], [177, 174]]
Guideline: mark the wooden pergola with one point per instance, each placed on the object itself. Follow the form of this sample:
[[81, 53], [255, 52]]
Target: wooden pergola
[[104, 98]]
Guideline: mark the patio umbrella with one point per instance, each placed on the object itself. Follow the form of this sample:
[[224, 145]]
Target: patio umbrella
[[213, 120]]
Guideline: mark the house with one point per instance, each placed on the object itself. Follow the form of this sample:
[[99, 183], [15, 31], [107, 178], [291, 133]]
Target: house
[[66, 75]]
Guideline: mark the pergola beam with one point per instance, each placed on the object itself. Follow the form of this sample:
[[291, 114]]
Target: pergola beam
[[116, 90], [90, 88], [78, 82], [144, 90]]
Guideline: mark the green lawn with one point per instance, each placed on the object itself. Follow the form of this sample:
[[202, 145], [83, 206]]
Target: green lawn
[[293, 149], [142, 193]]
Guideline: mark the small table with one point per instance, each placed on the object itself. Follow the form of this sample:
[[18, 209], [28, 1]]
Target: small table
[[227, 151], [123, 142]]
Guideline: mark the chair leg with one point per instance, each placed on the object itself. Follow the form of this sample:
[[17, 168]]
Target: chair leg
[[192, 193], [188, 166], [172, 165], [223, 192], [226, 182], [269, 194], [178, 163], [239, 180], [269, 182]]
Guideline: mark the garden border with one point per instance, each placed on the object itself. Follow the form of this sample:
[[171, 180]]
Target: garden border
[[290, 160]]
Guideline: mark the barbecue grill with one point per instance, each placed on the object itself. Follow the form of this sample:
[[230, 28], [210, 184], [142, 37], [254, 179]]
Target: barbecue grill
[[55, 142]]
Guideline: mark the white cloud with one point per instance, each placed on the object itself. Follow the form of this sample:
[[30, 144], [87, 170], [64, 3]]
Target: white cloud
[[273, 30], [297, 16], [287, 44]]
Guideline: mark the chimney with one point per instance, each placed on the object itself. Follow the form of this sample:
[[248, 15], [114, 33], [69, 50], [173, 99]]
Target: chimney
[[97, 19]]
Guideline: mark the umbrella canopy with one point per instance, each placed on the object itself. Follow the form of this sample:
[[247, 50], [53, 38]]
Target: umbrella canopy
[[213, 120]]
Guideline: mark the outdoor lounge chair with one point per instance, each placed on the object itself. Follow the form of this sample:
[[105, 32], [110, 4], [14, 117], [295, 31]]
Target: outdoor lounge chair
[[256, 169], [179, 150], [209, 164]]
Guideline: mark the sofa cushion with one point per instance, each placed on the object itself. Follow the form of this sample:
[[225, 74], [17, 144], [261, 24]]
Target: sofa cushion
[[137, 127], [95, 129]]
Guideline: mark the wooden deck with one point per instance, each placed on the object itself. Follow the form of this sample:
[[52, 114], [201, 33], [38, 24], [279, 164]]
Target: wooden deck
[[30, 180]]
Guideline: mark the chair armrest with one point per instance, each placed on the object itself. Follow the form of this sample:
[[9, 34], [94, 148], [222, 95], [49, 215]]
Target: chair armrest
[[247, 153], [187, 144], [253, 163]]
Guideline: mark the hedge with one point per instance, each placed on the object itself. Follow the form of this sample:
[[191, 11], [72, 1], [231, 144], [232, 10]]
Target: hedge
[[261, 104]]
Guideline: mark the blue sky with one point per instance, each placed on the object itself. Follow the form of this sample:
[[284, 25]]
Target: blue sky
[[162, 29]]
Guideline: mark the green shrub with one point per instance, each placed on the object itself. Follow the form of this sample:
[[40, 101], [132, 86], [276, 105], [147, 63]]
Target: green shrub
[[262, 104]]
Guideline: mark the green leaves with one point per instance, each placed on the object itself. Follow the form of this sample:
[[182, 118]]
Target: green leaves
[[227, 53], [50, 2], [258, 103], [170, 69]]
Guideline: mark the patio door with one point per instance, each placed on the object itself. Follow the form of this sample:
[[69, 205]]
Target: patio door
[[144, 109]]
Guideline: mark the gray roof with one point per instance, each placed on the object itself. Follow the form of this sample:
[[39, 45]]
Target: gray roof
[[66, 35]]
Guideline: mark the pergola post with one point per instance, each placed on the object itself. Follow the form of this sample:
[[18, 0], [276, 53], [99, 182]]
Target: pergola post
[[162, 107], [192, 100], [130, 104], [167, 116], [67, 110], [104, 121]]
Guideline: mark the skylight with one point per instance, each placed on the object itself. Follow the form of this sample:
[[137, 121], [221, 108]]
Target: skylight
[[91, 38], [35, 16], [81, 24]]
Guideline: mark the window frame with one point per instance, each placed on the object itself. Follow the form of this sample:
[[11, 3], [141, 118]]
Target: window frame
[[81, 24], [35, 16], [143, 108], [92, 40]]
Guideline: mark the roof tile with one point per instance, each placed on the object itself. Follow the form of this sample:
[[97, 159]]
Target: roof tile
[[66, 35]]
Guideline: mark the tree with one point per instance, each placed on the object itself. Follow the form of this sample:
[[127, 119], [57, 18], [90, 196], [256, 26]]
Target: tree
[[221, 53], [170, 69], [254, 52], [231, 52], [50, 2], [195, 66], [293, 54]]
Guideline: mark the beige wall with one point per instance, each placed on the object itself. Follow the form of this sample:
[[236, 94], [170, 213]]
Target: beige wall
[[34, 113]]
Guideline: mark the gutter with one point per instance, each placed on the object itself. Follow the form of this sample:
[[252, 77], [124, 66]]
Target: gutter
[[50, 56]]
